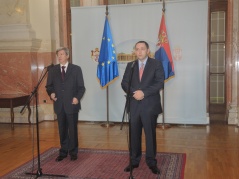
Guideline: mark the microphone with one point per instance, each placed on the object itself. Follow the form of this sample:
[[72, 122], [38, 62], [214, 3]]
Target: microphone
[[132, 66], [49, 66]]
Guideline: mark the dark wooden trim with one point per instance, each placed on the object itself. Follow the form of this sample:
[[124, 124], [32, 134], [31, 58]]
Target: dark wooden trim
[[68, 27], [226, 6], [220, 5], [65, 25]]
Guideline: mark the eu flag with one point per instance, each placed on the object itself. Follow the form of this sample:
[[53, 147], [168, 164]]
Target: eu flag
[[107, 70], [163, 52]]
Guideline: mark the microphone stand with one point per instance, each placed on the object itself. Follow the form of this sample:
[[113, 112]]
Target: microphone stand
[[35, 93], [127, 107]]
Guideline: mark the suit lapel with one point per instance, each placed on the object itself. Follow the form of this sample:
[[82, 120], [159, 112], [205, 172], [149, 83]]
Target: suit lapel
[[69, 70], [137, 71], [58, 69]]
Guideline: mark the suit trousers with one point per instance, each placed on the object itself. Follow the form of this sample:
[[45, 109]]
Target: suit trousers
[[141, 119], [68, 131]]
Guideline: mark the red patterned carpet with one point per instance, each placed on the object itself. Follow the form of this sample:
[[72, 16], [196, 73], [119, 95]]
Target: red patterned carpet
[[100, 164]]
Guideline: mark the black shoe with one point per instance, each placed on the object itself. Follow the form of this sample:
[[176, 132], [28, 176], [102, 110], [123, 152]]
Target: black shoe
[[73, 157], [155, 169], [127, 169], [60, 158]]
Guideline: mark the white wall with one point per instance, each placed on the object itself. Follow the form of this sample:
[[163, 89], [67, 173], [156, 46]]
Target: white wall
[[186, 20], [43, 23]]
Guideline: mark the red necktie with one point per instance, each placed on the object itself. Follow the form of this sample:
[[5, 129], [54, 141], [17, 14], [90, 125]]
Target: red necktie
[[141, 71], [63, 72]]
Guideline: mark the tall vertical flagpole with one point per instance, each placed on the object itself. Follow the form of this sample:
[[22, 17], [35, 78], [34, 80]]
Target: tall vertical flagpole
[[107, 124], [107, 89], [163, 125]]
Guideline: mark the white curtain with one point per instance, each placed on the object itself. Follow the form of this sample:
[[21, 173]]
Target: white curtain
[[186, 21]]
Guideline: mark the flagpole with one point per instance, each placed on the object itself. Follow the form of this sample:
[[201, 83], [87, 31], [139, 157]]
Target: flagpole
[[107, 124], [163, 6], [163, 125]]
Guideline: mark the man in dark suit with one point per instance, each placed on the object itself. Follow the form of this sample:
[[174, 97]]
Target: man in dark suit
[[65, 86], [145, 104]]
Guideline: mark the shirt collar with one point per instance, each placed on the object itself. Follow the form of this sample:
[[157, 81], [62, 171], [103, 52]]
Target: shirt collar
[[144, 62], [66, 65]]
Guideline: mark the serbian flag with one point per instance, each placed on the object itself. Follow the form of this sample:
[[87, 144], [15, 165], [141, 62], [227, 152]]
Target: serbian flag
[[163, 52]]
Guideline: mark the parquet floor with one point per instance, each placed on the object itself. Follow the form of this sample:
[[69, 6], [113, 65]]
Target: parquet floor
[[212, 151]]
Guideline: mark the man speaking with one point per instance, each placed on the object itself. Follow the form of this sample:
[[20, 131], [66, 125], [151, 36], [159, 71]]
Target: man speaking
[[145, 104], [65, 86]]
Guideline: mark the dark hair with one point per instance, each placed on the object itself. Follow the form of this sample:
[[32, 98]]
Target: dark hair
[[67, 51], [146, 44]]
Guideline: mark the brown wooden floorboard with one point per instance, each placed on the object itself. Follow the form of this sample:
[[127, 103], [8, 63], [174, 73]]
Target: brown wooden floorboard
[[212, 151]]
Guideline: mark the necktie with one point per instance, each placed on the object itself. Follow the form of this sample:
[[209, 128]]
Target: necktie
[[63, 72], [141, 70]]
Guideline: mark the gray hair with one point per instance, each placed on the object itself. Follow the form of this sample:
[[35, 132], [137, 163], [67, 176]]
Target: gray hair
[[67, 51]]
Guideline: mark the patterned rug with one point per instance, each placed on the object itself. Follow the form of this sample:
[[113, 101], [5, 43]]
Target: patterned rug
[[99, 164]]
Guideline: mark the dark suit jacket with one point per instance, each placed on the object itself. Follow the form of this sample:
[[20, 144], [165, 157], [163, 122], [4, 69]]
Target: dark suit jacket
[[72, 86], [151, 83]]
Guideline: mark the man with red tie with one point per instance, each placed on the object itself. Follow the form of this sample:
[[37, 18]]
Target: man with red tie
[[65, 86], [145, 104]]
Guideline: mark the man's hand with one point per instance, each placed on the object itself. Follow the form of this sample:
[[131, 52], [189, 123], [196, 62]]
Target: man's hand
[[138, 95], [75, 101], [53, 96]]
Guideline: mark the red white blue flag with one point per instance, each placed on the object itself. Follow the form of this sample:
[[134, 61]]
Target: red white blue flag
[[163, 52]]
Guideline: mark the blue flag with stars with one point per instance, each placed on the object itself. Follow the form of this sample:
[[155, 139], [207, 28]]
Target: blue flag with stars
[[107, 70]]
